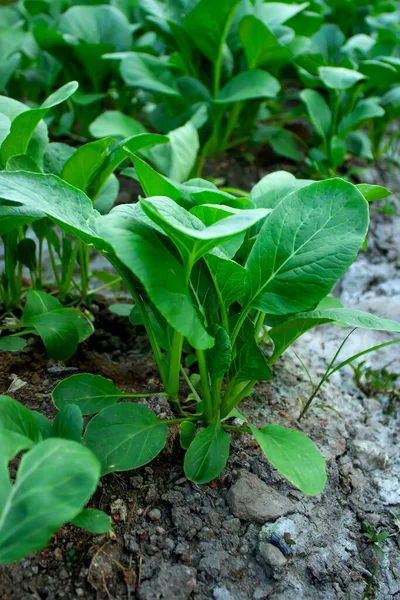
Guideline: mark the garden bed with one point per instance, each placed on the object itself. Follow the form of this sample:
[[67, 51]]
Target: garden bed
[[173, 539]]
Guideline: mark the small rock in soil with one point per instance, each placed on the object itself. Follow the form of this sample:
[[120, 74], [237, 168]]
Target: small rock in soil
[[173, 581], [271, 556], [371, 455], [155, 514], [253, 500]]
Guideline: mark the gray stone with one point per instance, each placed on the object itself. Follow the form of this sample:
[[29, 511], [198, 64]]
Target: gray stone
[[370, 454], [272, 556], [251, 499], [173, 581], [222, 593]]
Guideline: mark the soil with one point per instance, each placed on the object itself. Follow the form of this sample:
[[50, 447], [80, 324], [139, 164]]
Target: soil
[[174, 540]]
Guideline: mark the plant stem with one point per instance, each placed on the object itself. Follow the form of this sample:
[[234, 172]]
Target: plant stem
[[130, 284], [84, 269], [259, 324], [230, 126], [238, 326], [53, 262], [174, 365], [236, 428], [218, 62], [208, 403], [234, 398], [40, 265]]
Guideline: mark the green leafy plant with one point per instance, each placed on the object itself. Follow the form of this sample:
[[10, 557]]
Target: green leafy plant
[[89, 168], [61, 329], [55, 479], [216, 75], [206, 270]]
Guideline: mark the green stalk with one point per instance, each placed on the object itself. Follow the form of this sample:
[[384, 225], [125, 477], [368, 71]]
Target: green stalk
[[130, 284], [65, 284], [53, 263], [175, 354], [174, 366], [230, 126], [259, 324], [238, 326], [208, 403], [235, 396], [218, 62], [84, 259], [39, 278]]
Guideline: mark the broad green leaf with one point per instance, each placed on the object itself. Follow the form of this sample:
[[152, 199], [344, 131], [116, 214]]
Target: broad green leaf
[[38, 303], [54, 481], [308, 242], [147, 72], [337, 147], [93, 520], [318, 110], [118, 153], [152, 182], [282, 141], [187, 431], [359, 144], [229, 279], [97, 25], [209, 33], [249, 84], [339, 78], [380, 74], [22, 162], [284, 334], [23, 125], [177, 159], [328, 42], [115, 124], [68, 423], [139, 248], [350, 317], [56, 156], [365, 110], [83, 326], [80, 168], [294, 455], [250, 361], [277, 13], [107, 196], [10, 109], [190, 235], [373, 192], [207, 454], [261, 46], [16, 418], [91, 393], [273, 188], [11, 343], [121, 309], [58, 332], [70, 208], [219, 357], [10, 444], [45, 425], [125, 437], [26, 253]]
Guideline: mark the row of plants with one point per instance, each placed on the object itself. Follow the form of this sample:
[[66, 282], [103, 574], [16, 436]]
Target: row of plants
[[235, 272], [244, 77], [223, 280]]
